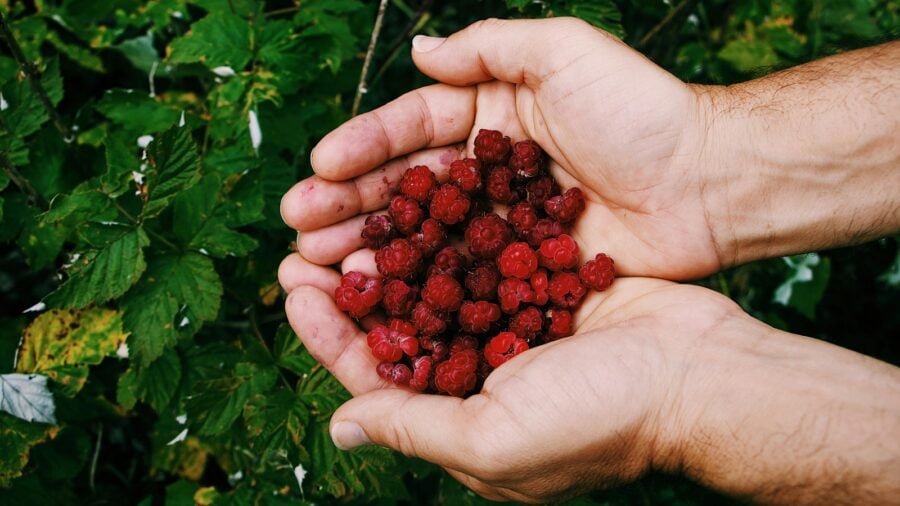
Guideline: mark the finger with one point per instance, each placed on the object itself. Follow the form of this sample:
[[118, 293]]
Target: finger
[[329, 245], [436, 115], [316, 202], [333, 339], [295, 270], [363, 261]]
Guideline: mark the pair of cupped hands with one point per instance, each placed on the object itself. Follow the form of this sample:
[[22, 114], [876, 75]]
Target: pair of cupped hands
[[653, 363]]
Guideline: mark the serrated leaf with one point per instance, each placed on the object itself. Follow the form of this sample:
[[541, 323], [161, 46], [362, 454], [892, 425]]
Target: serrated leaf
[[154, 384], [24, 113], [275, 422], [137, 112], [289, 353], [603, 14], [205, 219], [26, 396], [62, 344], [173, 166], [221, 39], [749, 55], [215, 403], [17, 437]]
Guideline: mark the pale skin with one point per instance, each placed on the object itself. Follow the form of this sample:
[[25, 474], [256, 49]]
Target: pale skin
[[681, 182]]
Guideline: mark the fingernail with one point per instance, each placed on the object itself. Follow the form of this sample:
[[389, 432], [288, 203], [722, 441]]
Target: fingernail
[[348, 435], [424, 43]]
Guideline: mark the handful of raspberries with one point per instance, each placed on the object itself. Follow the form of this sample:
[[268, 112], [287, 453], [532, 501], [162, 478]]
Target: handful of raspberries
[[456, 313]]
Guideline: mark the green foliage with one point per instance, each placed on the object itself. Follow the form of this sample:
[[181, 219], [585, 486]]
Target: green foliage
[[152, 235]]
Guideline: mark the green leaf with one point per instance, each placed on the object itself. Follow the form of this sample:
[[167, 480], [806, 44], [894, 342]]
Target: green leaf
[[289, 352], [221, 39], [749, 55], [24, 114], [205, 221], [137, 112], [275, 422], [17, 437], [806, 284], [141, 52], [215, 403], [154, 384], [102, 274], [26, 396], [600, 13], [173, 166]]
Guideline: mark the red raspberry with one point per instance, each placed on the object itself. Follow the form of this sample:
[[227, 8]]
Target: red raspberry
[[560, 324], [544, 229], [499, 185], [390, 343], [462, 343], [477, 317], [457, 376], [399, 298], [539, 283], [466, 174], [558, 253], [428, 321], [377, 231], [406, 214], [398, 374], [384, 369], [487, 235], [449, 205], [511, 292], [443, 293], [540, 190], [439, 349], [449, 261], [399, 259], [599, 273], [527, 323], [565, 289], [491, 146], [517, 261], [421, 374], [358, 294], [526, 159], [522, 217], [418, 183], [503, 347], [432, 236], [482, 282], [565, 207]]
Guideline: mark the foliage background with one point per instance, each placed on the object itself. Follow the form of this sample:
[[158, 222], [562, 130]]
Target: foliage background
[[182, 267]]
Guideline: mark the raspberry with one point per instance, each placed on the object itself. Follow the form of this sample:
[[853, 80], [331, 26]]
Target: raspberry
[[491, 146], [466, 174], [498, 186], [527, 323], [399, 298], [456, 376], [517, 261], [565, 207], [443, 293], [432, 236], [599, 273], [421, 373], [539, 283], [399, 259], [398, 374], [560, 324], [462, 343], [482, 282], [565, 289], [503, 347], [428, 321], [544, 229], [477, 317], [418, 183], [439, 349], [449, 205], [540, 190], [406, 214], [449, 261], [522, 217], [358, 294], [390, 343], [558, 253], [511, 292], [526, 159], [377, 231], [487, 235]]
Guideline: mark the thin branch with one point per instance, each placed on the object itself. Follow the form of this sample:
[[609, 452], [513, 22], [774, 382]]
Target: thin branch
[[21, 182], [95, 457], [662, 24], [34, 78], [376, 31]]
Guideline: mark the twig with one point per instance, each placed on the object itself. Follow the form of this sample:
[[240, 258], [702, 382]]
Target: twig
[[376, 31], [95, 457], [665, 21], [392, 55], [21, 182], [283, 10], [34, 78], [411, 26]]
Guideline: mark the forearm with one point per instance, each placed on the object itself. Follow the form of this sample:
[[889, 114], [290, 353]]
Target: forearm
[[807, 158]]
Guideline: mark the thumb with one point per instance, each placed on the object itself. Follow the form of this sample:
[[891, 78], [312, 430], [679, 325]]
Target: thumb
[[514, 51]]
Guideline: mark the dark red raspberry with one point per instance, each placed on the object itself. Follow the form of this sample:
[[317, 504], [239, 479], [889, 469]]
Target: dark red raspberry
[[487, 235], [512, 292], [565, 289], [544, 229], [428, 321], [523, 217], [558, 253], [399, 298], [462, 343], [438, 348], [421, 374], [565, 207], [527, 323], [390, 343], [466, 174], [377, 231], [491, 146], [498, 186], [398, 374], [599, 273], [449, 261], [517, 260], [482, 282], [399, 259], [431, 237], [477, 317], [560, 324], [443, 293], [449, 204], [540, 190], [406, 214], [457, 375], [358, 294], [418, 183], [384, 370], [503, 347], [526, 159], [539, 283]]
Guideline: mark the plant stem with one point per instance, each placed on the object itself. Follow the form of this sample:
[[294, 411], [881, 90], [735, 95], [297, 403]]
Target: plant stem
[[376, 31], [21, 182], [34, 78], [95, 457], [662, 24]]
